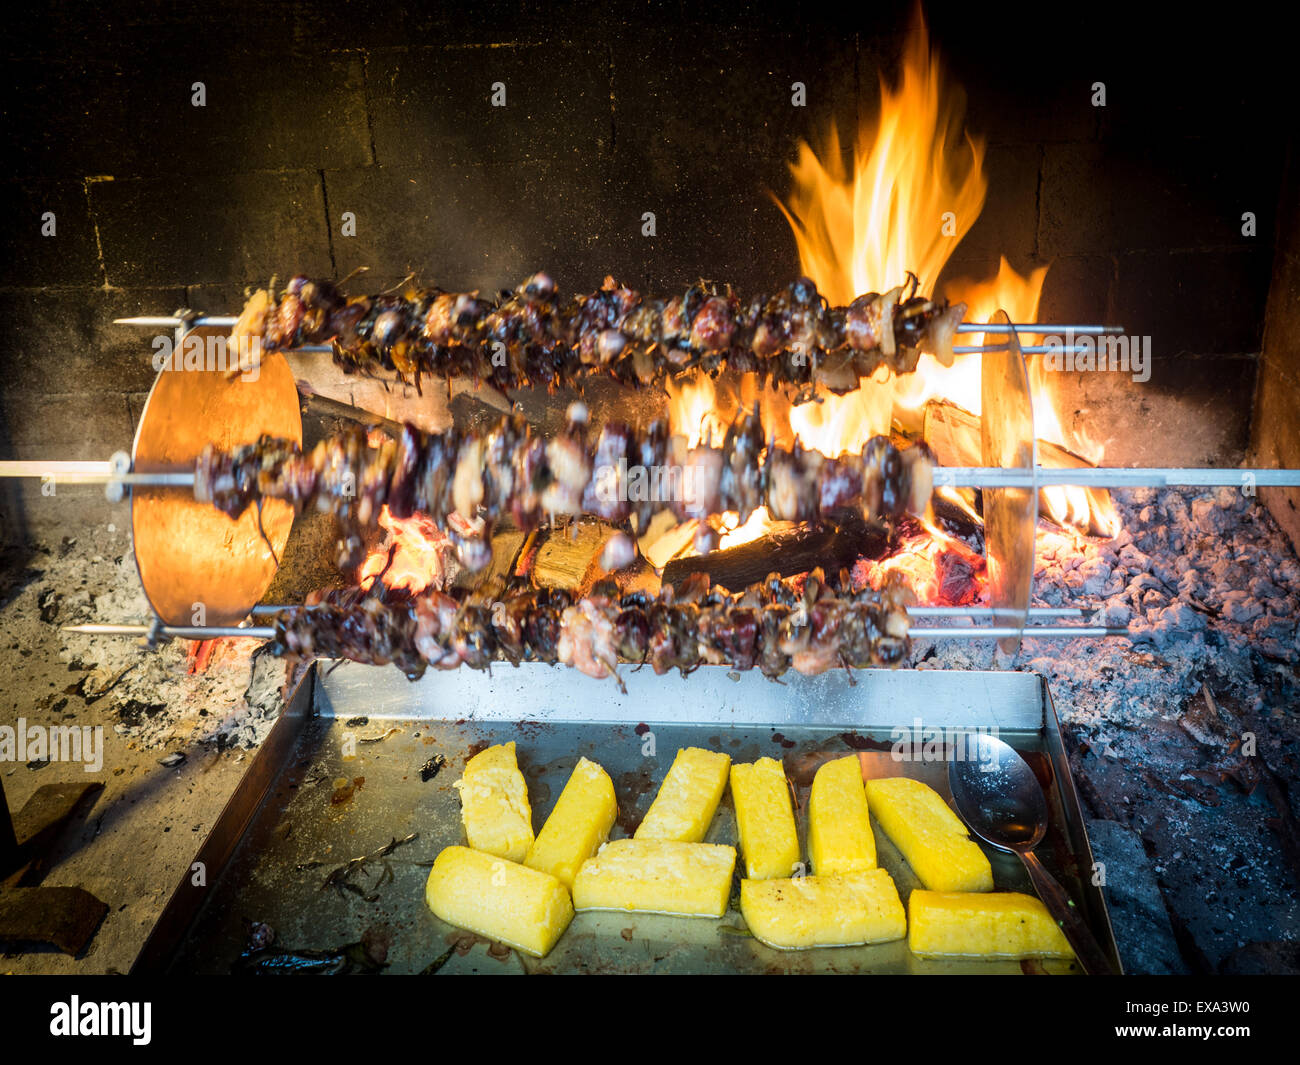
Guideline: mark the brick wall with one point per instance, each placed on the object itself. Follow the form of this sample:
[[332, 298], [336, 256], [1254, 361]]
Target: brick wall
[[612, 110]]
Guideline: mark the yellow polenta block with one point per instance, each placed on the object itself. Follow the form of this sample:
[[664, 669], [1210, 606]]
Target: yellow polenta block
[[657, 876], [764, 819], [688, 797], [840, 839], [1004, 924], [930, 836], [578, 825], [494, 804], [502, 900], [824, 911]]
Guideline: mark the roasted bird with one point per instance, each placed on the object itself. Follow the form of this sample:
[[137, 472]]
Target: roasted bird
[[466, 480], [532, 336], [803, 625]]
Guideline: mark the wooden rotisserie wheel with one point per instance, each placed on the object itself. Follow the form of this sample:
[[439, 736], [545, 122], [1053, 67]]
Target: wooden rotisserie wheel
[[196, 564]]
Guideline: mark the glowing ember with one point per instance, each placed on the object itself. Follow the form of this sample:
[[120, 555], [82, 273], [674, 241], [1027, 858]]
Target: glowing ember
[[938, 569], [417, 548], [201, 654]]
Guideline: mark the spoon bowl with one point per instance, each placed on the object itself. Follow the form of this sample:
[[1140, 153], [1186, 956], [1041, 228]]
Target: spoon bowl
[[998, 795], [1001, 801]]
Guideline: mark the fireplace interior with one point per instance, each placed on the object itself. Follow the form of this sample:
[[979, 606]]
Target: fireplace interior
[[1109, 168]]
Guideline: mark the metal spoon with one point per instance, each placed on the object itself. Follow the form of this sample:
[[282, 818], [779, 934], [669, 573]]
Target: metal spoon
[[1001, 801]]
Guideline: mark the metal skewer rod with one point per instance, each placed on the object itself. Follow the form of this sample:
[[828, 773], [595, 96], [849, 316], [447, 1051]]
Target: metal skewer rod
[[1110, 477], [171, 321], [975, 612], [75, 472], [267, 632], [1032, 632], [226, 321], [988, 612], [939, 613], [186, 632], [1041, 328], [1025, 349]]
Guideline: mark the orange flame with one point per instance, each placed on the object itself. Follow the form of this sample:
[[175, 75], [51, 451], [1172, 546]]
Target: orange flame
[[835, 424], [913, 191], [916, 188], [693, 409], [418, 548]]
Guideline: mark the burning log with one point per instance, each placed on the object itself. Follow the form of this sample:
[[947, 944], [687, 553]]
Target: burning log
[[665, 538], [570, 558], [954, 435], [787, 550], [955, 519], [507, 546], [323, 407]]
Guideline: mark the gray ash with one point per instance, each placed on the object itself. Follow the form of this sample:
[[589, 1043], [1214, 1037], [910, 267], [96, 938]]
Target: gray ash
[[1189, 734], [150, 697]]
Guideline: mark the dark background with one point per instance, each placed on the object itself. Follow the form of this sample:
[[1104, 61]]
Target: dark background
[[613, 109]]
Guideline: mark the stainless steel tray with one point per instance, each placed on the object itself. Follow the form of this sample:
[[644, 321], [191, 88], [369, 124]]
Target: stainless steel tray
[[327, 786]]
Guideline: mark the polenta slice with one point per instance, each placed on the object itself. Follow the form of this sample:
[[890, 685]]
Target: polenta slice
[[657, 876], [494, 804], [1004, 924], [929, 835], [769, 840], [824, 911], [840, 839], [521, 907], [688, 797], [578, 825]]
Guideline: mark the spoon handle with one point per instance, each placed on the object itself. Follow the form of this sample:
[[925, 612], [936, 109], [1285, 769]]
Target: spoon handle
[[1062, 907]]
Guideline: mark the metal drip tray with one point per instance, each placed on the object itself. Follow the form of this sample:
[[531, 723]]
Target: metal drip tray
[[340, 777]]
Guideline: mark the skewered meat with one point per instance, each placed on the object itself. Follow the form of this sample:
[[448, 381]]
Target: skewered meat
[[531, 336], [777, 625], [464, 480]]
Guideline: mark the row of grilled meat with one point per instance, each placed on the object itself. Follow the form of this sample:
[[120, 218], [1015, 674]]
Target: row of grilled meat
[[533, 336], [466, 480], [804, 625]]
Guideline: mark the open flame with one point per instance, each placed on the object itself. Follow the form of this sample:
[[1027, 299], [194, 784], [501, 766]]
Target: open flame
[[916, 188], [835, 425], [913, 191], [418, 551], [693, 409]]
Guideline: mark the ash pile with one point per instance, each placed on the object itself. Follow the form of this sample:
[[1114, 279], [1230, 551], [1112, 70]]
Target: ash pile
[[1189, 735]]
